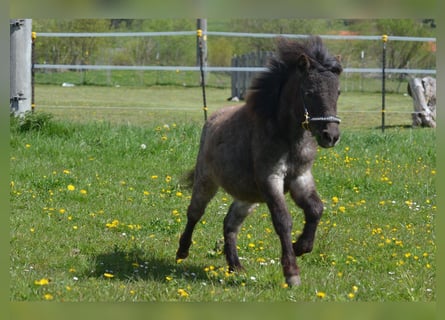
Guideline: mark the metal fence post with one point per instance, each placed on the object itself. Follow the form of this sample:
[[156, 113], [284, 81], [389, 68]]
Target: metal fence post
[[384, 39]]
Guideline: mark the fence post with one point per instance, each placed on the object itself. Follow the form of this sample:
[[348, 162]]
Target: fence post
[[384, 39], [20, 66], [201, 44], [234, 78], [202, 56]]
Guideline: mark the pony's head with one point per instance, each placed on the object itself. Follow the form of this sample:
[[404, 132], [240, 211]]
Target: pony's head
[[302, 87], [317, 80]]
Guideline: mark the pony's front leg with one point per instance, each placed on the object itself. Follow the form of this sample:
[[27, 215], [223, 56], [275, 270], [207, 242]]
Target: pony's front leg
[[238, 212], [272, 190], [304, 194], [282, 222]]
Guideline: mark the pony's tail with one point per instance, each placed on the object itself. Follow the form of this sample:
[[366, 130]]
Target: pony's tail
[[189, 178]]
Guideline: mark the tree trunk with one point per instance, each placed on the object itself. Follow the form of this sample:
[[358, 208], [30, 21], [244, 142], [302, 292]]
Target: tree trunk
[[423, 92]]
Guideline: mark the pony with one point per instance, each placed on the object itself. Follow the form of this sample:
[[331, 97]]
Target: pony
[[265, 148]]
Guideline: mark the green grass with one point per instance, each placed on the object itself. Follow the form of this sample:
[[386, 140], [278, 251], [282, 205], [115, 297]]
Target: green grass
[[95, 216], [112, 78], [158, 104]]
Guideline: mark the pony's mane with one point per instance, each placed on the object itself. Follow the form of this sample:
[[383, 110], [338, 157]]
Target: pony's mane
[[265, 89], [290, 51]]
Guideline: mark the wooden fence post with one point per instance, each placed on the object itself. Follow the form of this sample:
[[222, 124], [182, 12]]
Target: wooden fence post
[[20, 66]]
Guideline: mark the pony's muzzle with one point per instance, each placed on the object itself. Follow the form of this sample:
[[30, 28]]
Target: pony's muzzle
[[330, 136]]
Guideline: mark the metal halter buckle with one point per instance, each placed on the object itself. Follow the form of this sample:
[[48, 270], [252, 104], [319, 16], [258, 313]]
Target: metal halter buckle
[[305, 123]]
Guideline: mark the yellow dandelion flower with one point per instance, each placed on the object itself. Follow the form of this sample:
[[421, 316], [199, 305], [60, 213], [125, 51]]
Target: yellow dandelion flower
[[168, 278], [70, 187], [62, 211], [342, 209], [27, 145], [48, 296], [154, 177], [113, 224], [168, 179], [83, 191], [321, 294], [183, 293], [66, 171], [179, 194], [351, 295], [108, 275], [335, 199], [42, 282]]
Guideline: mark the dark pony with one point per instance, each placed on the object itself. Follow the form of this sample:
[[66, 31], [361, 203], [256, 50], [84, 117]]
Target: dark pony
[[266, 148]]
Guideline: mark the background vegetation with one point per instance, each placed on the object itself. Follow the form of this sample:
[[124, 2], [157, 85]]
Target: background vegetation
[[181, 50]]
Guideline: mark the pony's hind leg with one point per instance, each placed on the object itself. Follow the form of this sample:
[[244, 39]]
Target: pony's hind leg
[[238, 212], [203, 192]]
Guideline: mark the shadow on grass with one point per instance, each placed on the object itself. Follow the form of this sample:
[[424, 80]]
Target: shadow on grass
[[138, 265]]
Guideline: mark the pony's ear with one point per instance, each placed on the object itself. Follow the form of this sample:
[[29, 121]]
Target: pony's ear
[[303, 62], [338, 58]]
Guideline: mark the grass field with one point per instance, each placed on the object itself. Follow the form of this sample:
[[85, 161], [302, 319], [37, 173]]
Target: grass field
[[159, 104], [98, 203]]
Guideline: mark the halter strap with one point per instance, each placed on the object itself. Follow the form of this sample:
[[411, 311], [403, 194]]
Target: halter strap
[[307, 119]]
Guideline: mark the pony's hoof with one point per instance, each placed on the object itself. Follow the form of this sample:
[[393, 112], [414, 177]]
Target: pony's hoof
[[237, 269], [181, 255], [293, 281], [302, 247]]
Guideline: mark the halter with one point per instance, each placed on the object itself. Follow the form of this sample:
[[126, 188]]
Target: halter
[[308, 119]]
